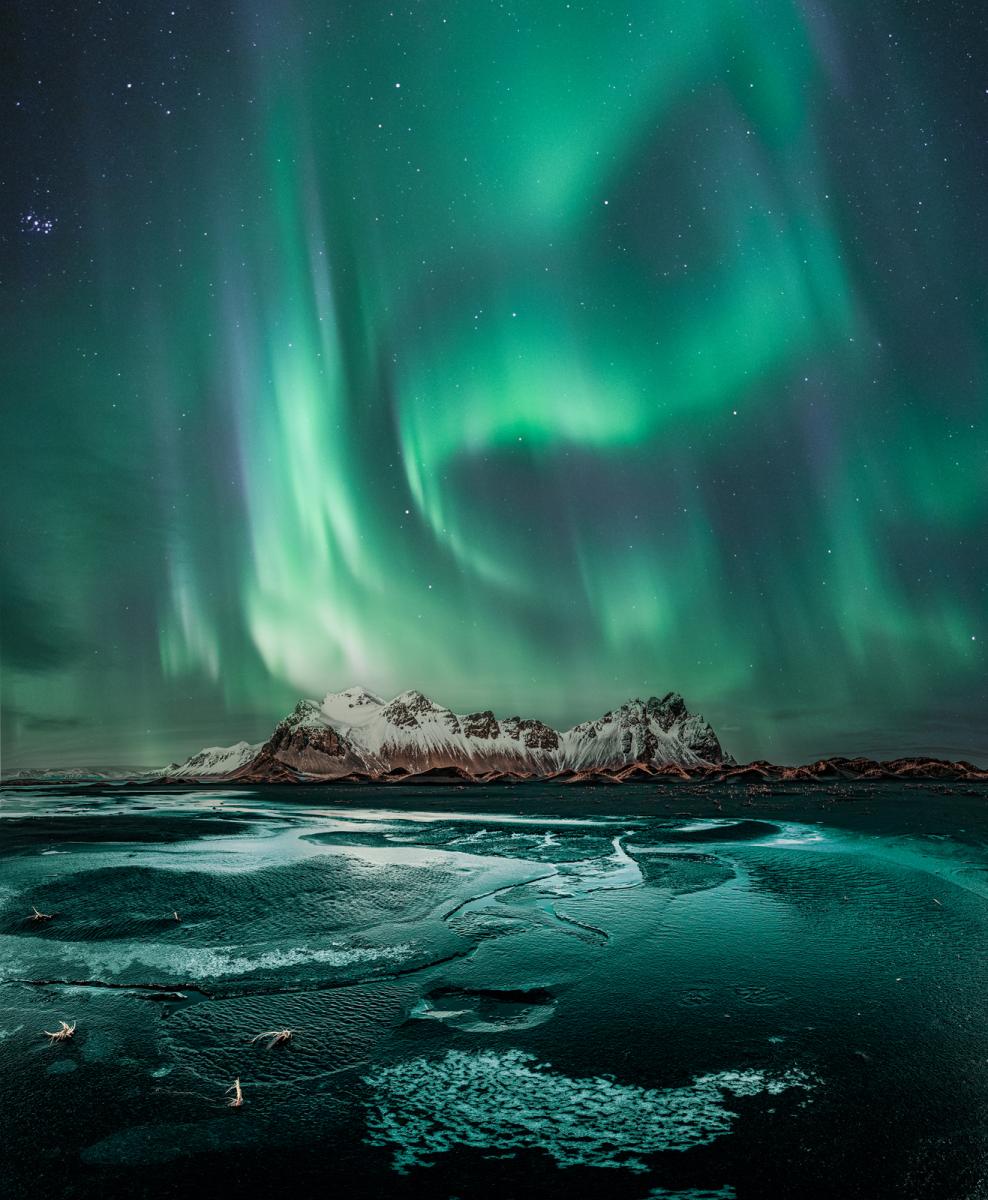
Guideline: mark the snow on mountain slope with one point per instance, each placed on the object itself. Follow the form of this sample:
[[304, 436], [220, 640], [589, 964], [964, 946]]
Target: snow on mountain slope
[[214, 760], [73, 774], [650, 731], [354, 731], [356, 706]]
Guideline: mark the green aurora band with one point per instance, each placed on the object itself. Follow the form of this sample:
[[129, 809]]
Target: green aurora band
[[533, 355]]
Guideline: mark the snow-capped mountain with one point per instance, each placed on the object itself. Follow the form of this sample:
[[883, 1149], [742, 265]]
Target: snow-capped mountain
[[653, 732], [355, 732], [216, 760], [74, 774]]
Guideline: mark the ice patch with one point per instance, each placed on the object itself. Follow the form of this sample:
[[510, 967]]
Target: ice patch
[[537, 846], [724, 830], [510, 1101], [721, 1193], [214, 962], [615, 872], [798, 835], [446, 816], [222, 962]]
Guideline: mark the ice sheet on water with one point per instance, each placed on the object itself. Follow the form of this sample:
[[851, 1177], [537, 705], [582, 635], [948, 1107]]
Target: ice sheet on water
[[219, 961], [137, 963], [510, 1101], [611, 872], [307, 898], [550, 846], [482, 924], [680, 871], [426, 817], [721, 1193], [723, 830]]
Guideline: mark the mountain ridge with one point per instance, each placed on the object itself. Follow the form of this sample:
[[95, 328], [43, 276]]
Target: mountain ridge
[[355, 732], [357, 736]]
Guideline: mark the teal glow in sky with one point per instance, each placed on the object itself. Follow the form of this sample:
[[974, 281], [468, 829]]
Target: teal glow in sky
[[534, 355]]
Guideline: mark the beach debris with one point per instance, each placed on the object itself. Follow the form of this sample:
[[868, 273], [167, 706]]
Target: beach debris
[[39, 916], [237, 1099], [276, 1037], [62, 1034]]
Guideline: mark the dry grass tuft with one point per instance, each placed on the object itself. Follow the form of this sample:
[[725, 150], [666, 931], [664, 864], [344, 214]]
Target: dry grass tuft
[[276, 1037], [61, 1035]]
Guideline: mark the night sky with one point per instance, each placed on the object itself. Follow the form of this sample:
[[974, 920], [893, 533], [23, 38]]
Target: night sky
[[532, 354]]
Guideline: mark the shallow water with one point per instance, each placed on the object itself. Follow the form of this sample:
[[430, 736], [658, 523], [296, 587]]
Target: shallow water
[[635, 992]]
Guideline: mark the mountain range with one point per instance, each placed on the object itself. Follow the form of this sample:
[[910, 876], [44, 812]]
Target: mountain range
[[356, 736]]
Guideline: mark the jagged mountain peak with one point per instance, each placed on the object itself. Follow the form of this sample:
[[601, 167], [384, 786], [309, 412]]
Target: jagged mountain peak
[[417, 701], [356, 697], [671, 704], [654, 731], [304, 713], [408, 709]]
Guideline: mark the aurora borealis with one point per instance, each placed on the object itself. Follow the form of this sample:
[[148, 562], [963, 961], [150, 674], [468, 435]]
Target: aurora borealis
[[532, 354]]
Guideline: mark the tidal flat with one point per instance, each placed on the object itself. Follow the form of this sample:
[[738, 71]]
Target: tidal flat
[[644, 992]]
